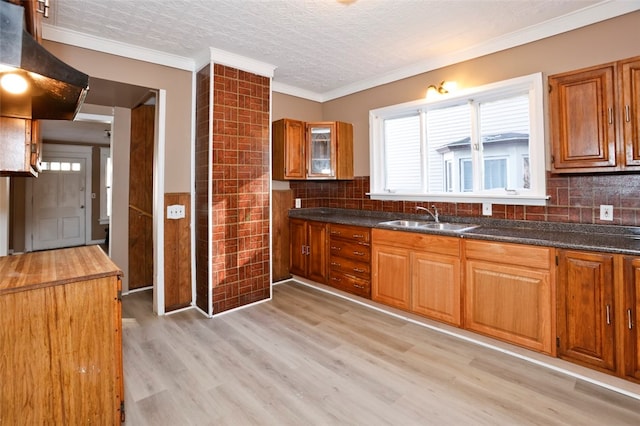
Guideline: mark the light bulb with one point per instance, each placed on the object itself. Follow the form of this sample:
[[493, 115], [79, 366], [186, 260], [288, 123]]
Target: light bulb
[[14, 83]]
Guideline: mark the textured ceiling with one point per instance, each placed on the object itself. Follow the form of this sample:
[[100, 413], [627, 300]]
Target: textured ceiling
[[322, 49], [319, 46]]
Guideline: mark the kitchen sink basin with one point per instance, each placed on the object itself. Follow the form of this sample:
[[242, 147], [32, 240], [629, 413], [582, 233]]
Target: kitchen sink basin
[[406, 223], [441, 226], [446, 226]]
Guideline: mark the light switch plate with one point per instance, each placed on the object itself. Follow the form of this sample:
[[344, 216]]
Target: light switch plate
[[298, 203], [175, 211], [606, 212], [486, 209]]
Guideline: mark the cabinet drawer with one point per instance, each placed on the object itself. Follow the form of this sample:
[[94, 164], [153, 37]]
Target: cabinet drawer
[[439, 244], [347, 232], [350, 266], [513, 254], [350, 284], [351, 250]]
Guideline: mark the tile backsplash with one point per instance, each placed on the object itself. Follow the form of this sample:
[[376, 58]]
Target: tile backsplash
[[574, 199]]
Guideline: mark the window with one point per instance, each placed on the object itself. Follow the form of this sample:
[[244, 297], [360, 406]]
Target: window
[[484, 144], [60, 166], [106, 177]]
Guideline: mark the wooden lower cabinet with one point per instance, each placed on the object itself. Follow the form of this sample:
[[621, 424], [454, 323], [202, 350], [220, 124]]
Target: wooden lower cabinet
[[435, 287], [417, 272], [391, 274], [350, 259], [309, 252], [631, 318], [508, 293], [60, 338], [586, 305]]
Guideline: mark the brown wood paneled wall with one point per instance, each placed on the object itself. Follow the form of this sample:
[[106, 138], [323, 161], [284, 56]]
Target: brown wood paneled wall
[[177, 254]]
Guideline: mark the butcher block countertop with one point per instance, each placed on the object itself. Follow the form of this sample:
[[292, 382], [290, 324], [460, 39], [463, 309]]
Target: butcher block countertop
[[54, 267]]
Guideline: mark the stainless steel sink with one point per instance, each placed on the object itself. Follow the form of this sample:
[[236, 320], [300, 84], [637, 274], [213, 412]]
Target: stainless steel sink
[[406, 223], [446, 226], [442, 226]]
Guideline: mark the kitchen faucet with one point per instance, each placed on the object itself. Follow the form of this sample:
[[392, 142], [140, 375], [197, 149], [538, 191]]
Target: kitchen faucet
[[433, 215]]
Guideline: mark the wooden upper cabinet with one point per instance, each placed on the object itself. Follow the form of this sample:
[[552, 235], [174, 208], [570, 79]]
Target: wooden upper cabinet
[[594, 118], [630, 115], [319, 150], [582, 122], [20, 147], [288, 149], [585, 301]]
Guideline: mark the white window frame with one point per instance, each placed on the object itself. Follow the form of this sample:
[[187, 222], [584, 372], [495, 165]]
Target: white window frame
[[105, 187], [536, 195]]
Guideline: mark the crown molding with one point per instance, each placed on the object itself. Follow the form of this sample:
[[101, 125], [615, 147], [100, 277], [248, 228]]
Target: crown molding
[[243, 63], [295, 91], [78, 39]]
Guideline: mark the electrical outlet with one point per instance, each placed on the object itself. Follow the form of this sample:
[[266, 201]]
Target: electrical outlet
[[298, 203], [175, 211], [606, 212], [486, 209]]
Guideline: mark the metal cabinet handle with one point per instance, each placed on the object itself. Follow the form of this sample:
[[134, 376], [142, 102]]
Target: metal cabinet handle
[[335, 264], [358, 270], [335, 248], [336, 233], [610, 115], [336, 279], [629, 320], [608, 308], [359, 253], [358, 236], [358, 286], [627, 113]]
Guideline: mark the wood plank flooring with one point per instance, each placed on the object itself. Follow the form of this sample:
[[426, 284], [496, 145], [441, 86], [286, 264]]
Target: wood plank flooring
[[311, 358]]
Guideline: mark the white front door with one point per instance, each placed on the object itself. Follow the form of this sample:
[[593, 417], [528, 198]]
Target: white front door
[[59, 204]]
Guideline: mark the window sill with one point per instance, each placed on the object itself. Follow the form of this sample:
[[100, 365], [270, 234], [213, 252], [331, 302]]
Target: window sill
[[523, 200]]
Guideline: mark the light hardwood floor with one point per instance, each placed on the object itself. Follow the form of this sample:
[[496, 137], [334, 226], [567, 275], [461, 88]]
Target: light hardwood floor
[[311, 358]]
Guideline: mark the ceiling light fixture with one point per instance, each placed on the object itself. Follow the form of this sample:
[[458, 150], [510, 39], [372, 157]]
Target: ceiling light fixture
[[442, 89]]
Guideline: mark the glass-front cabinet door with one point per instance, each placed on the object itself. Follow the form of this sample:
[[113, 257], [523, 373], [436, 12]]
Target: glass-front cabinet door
[[321, 150]]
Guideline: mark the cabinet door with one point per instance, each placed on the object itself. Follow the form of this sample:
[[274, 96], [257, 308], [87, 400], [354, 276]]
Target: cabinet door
[[15, 147], [632, 317], [509, 302], [321, 150], [391, 275], [298, 247], [630, 103], [288, 160], [317, 262], [581, 108], [435, 287], [585, 309]]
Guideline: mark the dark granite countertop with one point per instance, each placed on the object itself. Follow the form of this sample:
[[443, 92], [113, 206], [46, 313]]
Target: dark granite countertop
[[602, 238]]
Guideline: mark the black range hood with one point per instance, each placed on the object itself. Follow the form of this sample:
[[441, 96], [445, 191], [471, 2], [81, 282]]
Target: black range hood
[[55, 90]]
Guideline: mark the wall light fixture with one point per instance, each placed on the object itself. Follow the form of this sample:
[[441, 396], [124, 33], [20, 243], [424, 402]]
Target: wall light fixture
[[443, 88]]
